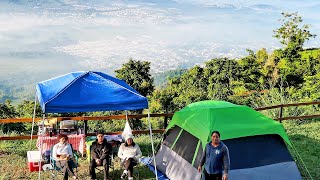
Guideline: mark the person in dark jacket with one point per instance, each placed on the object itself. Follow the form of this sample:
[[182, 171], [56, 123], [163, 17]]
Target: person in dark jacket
[[216, 159], [100, 154]]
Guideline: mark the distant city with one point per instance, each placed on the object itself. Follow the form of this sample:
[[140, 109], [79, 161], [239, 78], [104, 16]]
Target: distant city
[[43, 39]]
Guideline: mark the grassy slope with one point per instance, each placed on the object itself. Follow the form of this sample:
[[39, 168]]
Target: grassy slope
[[306, 140], [305, 137]]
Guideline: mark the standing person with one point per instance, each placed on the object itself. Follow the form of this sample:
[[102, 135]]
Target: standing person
[[216, 159], [63, 155], [129, 152], [100, 154]]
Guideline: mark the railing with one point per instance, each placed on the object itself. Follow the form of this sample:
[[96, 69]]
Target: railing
[[83, 118], [281, 106], [86, 118], [88, 134]]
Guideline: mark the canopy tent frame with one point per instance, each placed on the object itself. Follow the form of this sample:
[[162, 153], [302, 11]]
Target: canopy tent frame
[[110, 84]]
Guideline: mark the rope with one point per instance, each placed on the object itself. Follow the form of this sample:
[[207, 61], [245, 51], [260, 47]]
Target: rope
[[302, 162]]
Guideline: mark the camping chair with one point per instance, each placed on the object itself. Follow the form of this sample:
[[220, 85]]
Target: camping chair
[[74, 164], [100, 168], [136, 174]]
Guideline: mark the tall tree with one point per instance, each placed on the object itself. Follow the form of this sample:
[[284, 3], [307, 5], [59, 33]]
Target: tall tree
[[137, 75], [292, 36]]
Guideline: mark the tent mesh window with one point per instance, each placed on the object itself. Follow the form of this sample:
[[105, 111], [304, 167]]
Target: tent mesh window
[[186, 146], [198, 156], [267, 149], [171, 136]]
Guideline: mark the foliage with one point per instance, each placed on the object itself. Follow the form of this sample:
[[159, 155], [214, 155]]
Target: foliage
[[160, 80], [292, 36], [8, 111], [137, 75]]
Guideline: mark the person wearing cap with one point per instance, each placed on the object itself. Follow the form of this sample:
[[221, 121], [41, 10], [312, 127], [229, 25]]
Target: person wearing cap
[[129, 153], [100, 154], [216, 159]]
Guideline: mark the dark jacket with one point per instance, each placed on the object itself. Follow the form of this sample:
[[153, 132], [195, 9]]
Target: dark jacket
[[100, 151]]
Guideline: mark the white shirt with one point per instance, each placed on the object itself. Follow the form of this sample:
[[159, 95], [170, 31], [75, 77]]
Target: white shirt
[[61, 149], [129, 152]]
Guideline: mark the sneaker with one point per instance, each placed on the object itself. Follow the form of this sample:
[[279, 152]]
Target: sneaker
[[124, 175]]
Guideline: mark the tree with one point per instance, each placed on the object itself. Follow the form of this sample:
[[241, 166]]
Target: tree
[[222, 75], [8, 111], [137, 75], [293, 37], [250, 70], [290, 34], [25, 109]]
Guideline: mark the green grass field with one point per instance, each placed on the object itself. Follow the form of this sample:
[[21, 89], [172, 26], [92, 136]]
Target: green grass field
[[304, 136]]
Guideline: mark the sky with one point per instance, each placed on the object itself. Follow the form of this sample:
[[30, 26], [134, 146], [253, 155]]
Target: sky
[[41, 39]]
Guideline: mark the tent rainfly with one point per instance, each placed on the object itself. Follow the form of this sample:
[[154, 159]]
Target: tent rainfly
[[256, 143], [87, 91]]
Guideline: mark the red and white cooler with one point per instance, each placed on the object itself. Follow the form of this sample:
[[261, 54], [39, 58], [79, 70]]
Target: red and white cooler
[[34, 159]]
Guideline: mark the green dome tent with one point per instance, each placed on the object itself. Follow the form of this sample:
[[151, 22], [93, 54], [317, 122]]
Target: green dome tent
[[256, 142]]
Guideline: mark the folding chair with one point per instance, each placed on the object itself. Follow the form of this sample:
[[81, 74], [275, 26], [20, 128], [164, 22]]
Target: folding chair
[[100, 168], [136, 174], [74, 164]]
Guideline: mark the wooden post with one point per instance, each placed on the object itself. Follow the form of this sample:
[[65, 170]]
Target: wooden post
[[280, 113], [165, 120], [85, 127], [165, 123]]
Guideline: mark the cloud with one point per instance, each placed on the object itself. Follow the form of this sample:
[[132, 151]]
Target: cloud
[[163, 55], [108, 33]]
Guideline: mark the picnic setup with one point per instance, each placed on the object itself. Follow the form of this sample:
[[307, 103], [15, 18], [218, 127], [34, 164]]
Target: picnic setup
[[78, 92], [180, 154]]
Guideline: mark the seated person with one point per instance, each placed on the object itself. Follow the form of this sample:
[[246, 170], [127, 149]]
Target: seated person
[[100, 154], [62, 154], [129, 152]]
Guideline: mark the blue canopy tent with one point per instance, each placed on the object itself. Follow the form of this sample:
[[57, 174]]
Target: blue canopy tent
[[87, 91]]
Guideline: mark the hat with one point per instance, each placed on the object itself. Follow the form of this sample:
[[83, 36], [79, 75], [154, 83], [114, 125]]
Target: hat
[[128, 136]]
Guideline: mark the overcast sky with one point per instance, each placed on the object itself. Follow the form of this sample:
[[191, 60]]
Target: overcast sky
[[59, 36]]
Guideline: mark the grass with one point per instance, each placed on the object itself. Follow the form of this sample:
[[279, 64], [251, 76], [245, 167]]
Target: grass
[[304, 136]]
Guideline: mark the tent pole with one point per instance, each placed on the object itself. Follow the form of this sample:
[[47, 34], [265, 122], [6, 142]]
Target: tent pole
[[126, 115], [40, 135], [154, 157], [34, 116]]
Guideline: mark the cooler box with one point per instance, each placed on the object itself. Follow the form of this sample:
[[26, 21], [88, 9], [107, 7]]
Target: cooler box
[[33, 160]]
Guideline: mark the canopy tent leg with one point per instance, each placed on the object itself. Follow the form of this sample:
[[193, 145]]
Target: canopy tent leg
[[34, 114], [40, 134], [153, 155]]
